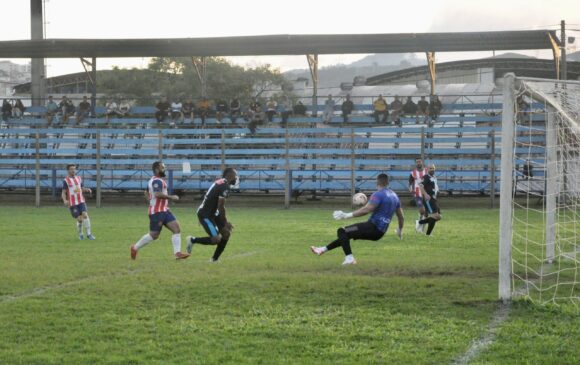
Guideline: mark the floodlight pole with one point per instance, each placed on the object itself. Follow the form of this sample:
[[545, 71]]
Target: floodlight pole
[[313, 64], [37, 64], [564, 66]]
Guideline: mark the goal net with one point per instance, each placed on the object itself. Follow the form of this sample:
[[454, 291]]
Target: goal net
[[540, 196]]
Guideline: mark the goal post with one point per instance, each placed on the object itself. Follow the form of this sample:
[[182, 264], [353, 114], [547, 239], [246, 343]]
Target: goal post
[[540, 191]]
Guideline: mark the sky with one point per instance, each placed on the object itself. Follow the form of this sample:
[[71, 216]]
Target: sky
[[190, 19]]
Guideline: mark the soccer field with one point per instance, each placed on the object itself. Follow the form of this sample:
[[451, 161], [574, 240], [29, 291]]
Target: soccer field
[[269, 301]]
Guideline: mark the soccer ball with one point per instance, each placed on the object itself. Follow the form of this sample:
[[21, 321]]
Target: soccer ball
[[359, 199]]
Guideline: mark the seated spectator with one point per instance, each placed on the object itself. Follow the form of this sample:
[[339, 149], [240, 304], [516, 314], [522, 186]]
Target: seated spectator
[[271, 109], [528, 170], [396, 110], [328, 110], [83, 110], [253, 108], [221, 110], [66, 108], [18, 109], [176, 113], [435, 107], [285, 109], [380, 108], [523, 108], [162, 109], [423, 109], [203, 110], [6, 110], [188, 109], [124, 108], [258, 118], [299, 109], [410, 108], [51, 110], [347, 107], [112, 109], [235, 108]]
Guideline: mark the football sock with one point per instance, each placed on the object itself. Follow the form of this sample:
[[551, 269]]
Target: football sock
[[87, 224], [334, 244], [202, 240], [427, 220], [176, 241], [430, 227], [144, 241], [219, 249], [79, 227]]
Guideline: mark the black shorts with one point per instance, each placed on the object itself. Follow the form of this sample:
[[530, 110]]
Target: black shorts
[[364, 231], [212, 225], [431, 206]]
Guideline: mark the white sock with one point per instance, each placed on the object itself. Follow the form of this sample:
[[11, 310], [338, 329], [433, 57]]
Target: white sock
[[323, 249], [79, 227], [144, 241], [349, 257], [87, 224], [176, 240]]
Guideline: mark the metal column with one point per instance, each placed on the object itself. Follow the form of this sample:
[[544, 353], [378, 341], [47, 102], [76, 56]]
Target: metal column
[[37, 64], [313, 65]]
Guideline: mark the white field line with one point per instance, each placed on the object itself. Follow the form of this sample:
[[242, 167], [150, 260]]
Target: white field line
[[48, 288], [477, 346]]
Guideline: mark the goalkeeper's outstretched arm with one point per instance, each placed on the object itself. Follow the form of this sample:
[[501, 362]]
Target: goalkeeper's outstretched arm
[[369, 208]]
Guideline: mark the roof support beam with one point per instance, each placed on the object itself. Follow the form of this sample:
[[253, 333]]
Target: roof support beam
[[91, 71], [200, 65], [556, 53], [432, 71], [37, 70]]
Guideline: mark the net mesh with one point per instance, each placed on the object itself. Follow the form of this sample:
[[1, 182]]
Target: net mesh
[[546, 211]]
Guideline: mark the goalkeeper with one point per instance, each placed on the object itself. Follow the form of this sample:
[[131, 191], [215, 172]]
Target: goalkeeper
[[382, 204]]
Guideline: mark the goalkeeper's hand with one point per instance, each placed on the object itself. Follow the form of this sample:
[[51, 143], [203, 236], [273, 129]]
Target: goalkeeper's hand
[[339, 214], [399, 232]]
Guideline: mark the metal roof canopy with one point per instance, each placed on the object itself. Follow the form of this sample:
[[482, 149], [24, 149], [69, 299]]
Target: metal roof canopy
[[291, 44]]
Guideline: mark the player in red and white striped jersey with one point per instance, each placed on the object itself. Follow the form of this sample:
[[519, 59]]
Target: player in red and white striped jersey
[[414, 180], [72, 196], [159, 213]]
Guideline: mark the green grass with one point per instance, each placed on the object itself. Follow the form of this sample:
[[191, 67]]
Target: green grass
[[269, 301]]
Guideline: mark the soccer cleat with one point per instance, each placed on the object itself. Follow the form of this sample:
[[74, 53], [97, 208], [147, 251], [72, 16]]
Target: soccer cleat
[[418, 227], [91, 237], [189, 240], [349, 260], [81, 237], [211, 260], [133, 252], [181, 256], [317, 250]]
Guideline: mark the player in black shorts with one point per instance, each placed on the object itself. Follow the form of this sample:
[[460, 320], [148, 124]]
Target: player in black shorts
[[212, 214], [429, 189]]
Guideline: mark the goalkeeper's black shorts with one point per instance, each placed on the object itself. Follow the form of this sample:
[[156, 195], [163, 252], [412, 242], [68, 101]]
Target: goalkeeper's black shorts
[[364, 231]]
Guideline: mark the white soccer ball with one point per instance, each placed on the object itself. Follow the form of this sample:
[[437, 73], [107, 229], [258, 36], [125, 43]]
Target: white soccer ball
[[359, 199]]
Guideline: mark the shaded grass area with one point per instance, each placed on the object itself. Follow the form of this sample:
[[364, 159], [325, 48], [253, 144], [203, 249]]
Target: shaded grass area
[[269, 301]]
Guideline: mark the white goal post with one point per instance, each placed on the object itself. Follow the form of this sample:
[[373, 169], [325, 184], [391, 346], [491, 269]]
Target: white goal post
[[540, 191]]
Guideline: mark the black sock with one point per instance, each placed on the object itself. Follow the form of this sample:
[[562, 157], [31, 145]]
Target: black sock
[[334, 244], [430, 227], [219, 249], [345, 241], [203, 240], [427, 220]]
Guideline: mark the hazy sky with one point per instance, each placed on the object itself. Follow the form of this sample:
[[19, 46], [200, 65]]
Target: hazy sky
[[189, 18]]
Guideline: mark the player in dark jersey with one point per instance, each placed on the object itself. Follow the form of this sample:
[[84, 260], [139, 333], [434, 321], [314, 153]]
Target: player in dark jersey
[[429, 189], [382, 204], [212, 214]]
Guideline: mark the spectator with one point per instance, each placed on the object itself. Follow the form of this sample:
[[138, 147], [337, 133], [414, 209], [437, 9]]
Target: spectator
[[380, 107], [253, 109], [51, 110], [176, 113], [528, 170], [299, 109], [188, 109], [203, 110], [6, 110], [124, 108], [435, 107], [396, 110], [285, 110], [221, 110], [66, 108], [347, 107], [328, 109], [112, 109], [423, 108], [258, 118], [83, 110], [235, 108], [18, 109], [523, 108], [271, 107], [410, 108], [162, 109]]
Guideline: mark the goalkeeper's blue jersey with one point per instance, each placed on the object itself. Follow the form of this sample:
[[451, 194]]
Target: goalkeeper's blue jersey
[[387, 202]]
